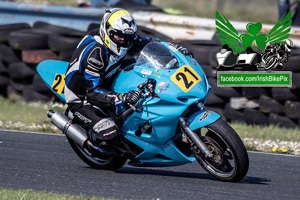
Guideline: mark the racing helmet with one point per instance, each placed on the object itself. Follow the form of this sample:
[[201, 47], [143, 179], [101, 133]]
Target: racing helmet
[[288, 45], [118, 30]]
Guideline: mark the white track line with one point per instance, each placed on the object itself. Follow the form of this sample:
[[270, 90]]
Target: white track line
[[274, 154], [38, 133]]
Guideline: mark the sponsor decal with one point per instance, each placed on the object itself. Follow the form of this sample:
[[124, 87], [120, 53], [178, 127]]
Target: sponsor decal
[[157, 74], [163, 86], [103, 125], [204, 115], [110, 133], [95, 61], [146, 72], [82, 118], [193, 63]]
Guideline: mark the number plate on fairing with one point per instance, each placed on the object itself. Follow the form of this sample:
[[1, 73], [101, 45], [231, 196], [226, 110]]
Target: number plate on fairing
[[58, 83], [53, 74], [185, 78]]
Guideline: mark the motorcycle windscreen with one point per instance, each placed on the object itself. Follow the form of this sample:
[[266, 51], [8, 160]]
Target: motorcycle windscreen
[[53, 74]]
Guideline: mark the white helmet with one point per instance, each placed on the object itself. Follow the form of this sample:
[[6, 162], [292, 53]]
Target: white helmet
[[117, 30]]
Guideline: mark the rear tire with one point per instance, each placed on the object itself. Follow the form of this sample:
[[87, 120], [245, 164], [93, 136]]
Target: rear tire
[[230, 160], [105, 163]]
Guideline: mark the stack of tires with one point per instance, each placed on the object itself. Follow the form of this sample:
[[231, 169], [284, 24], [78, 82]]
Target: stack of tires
[[22, 47]]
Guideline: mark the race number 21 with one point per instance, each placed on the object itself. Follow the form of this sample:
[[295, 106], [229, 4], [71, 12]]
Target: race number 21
[[58, 83], [185, 78]]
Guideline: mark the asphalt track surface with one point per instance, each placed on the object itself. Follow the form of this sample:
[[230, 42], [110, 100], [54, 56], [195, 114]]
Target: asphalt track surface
[[47, 162]]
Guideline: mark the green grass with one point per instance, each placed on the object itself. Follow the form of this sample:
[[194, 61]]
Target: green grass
[[9, 194], [24, 116], [243, 10], [23, 112], [72, 3], [267, 132]]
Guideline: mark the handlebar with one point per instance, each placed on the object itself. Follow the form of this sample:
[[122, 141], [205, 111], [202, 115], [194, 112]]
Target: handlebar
[[150, 86]]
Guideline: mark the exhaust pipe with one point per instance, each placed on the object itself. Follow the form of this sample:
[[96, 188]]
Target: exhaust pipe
[[63, 123]]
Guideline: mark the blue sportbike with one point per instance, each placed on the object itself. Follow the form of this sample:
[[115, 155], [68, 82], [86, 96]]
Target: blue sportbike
[[168, 126]]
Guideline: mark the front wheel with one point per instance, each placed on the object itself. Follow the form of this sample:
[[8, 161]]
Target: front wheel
[[106, 163], [271, 63], [230, 160]]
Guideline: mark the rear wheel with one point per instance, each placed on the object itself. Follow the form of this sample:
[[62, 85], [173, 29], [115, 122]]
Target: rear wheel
[[230, 159], [106, 163]]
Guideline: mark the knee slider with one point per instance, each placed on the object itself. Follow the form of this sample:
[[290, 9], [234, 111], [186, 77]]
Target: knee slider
[[105, 130]]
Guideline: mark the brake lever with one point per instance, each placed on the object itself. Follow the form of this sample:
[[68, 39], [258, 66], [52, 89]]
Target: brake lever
[[149, 85]]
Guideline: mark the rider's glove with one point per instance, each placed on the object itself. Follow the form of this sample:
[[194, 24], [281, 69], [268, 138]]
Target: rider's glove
[[184, 51], [131, 97]]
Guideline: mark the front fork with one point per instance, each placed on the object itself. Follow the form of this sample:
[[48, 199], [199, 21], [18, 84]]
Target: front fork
[[195, 138]]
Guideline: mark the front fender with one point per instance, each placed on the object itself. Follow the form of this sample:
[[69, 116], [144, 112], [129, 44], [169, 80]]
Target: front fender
[[202, 118]]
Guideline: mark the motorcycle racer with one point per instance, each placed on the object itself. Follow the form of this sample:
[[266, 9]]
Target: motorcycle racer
[[94, 65], [281, 52]]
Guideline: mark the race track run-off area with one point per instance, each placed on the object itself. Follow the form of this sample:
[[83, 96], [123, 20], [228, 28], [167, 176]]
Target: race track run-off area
[[47, 162]]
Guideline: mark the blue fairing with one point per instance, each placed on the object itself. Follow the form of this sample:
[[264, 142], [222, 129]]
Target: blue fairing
[[202, 118], [163, 113], [180, 83]]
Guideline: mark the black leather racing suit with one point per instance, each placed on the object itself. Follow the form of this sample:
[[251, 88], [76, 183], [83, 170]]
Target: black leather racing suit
[[90, 74]]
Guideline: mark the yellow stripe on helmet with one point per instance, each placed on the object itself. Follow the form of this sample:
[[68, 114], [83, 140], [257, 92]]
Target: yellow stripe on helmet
[[106, 40], [113, 17]]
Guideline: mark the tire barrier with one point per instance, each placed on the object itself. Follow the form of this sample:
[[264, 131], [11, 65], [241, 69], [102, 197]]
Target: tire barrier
[[5, 30], [61, 41], [22, 47], [20, 70], [234, 115], [8, 55], [269, 105], [282, 121]]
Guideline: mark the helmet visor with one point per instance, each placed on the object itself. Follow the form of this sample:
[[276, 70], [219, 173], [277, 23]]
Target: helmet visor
[[121, 39]]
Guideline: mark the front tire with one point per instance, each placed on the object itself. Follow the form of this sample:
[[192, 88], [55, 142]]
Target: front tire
[[105, 163], [272, 63], [230, 160]]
